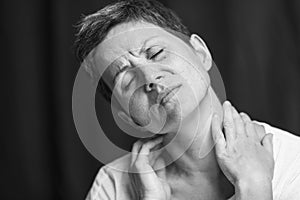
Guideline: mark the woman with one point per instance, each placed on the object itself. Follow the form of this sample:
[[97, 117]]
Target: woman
[[158, 73]]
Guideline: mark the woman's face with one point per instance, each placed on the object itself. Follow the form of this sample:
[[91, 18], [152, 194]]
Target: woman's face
[[156, 76]]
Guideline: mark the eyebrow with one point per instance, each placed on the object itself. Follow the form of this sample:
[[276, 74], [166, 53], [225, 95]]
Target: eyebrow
[[119, 70], [116, 75], [141, 50], [145, 43]]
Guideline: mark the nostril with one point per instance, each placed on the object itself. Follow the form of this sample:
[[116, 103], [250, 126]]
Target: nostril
[[151, 85]]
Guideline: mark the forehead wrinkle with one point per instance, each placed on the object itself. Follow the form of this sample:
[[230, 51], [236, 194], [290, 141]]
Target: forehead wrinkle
[[117, 63], [146, 41], [118, 32], [107, 52]]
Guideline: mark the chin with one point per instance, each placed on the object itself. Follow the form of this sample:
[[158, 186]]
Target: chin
[[186, 106], [174, 118]]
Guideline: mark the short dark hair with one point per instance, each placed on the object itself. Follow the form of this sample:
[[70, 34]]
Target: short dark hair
[[94, 28]]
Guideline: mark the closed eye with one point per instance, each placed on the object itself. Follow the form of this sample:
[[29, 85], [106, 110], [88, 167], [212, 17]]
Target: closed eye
[[156, 54], [128, 77], [123, 69], [153, 53]]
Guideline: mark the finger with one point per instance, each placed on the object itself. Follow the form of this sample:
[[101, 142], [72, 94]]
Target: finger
[[218, 136], [146, 147], [135, 150], [143, 155], [142, 164], [133, 179], [245, 117], [267, 142], [142, 149], [239, 123], [250, 130], [260, 130], [155, 154], [228, 123]]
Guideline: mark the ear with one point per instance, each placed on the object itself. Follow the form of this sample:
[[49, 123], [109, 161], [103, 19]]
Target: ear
[[201, 50]]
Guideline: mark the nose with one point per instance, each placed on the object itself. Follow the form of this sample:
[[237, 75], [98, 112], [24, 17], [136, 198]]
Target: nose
[[153, 86], [150, 74], [152, 80]]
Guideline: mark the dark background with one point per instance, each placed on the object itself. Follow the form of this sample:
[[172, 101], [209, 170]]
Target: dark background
[[256, 45]]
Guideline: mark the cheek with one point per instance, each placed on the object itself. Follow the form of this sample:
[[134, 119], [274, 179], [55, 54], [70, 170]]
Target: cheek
[[200, 88], [192, 94], [188, 99], [199, 82], [139, 108]]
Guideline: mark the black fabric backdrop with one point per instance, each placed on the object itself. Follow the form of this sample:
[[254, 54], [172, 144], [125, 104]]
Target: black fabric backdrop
[[256, 45]]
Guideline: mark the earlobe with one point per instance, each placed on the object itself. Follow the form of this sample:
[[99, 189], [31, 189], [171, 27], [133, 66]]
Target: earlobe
[[201, 49]]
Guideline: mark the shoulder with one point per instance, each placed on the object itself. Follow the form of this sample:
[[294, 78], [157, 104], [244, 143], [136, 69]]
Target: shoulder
[[112, 181], [286, 181], [279, 133], [284, 142]]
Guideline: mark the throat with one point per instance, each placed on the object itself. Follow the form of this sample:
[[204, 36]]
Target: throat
[[196, 171], [192, 147]]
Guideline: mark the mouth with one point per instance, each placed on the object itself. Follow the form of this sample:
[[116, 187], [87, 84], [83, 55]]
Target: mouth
[[165, 96]]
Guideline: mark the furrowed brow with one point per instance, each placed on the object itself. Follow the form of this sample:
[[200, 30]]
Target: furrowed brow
[[145, 44], [119, 65]]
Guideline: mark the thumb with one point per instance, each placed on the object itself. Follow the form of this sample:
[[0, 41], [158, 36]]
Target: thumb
[[267, 142]]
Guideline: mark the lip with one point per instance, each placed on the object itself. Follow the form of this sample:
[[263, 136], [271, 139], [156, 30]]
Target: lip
[[166, 95]]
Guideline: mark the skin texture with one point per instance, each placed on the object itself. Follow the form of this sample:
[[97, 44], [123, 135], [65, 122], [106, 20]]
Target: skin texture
[[177, 64], [147, 71], [241, 152]]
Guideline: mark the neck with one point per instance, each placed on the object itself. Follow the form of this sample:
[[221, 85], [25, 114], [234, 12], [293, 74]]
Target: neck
[[192, 148], [193, 144]]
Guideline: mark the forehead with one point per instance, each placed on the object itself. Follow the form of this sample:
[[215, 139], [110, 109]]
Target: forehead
[[127, 37]]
